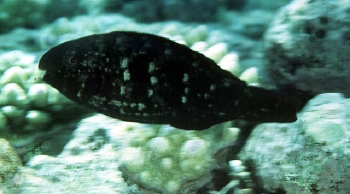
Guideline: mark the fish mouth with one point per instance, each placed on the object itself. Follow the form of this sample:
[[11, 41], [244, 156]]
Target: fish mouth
[[50, 61], [45, 71], [44, 62], [47, 76], [44, 66], [53, 79]]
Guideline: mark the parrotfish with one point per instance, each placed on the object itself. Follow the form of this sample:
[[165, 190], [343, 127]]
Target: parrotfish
[[145, 78]]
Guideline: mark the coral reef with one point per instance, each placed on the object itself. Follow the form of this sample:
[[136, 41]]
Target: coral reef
[[174, 161], [266, 5], [157, 10], [308, 156], [39, 12], [152, 158], [29, 107], [15, 14], [307, 46], [93, 172], [243, 24], [25, 103]]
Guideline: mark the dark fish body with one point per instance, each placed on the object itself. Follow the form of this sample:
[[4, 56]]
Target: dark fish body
[[146, 78]]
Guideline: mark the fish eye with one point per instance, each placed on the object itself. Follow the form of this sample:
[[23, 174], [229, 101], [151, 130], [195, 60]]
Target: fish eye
[[72, 60]]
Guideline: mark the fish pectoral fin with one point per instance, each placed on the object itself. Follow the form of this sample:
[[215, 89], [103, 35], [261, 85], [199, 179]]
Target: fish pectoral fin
[[192, 124]]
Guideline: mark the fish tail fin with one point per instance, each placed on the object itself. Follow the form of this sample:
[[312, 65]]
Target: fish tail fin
[[261, 105]]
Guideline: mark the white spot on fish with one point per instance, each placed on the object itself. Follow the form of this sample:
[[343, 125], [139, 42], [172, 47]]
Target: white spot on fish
[[115, 102], [212, 87], [124, 63], [186, 90], [154, 80], [97, 101], [126, 75], [183, 99], [185, 78], [141, 106], [227, 83], [150, 93], [167, 52], [119, 40], [122, 90], [151, 67]]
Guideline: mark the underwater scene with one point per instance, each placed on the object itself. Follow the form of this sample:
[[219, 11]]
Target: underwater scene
[[175, 96]]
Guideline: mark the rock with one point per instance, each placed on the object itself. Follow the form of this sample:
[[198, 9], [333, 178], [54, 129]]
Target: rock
[[307, 46], [158, 158], [307, 156]]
